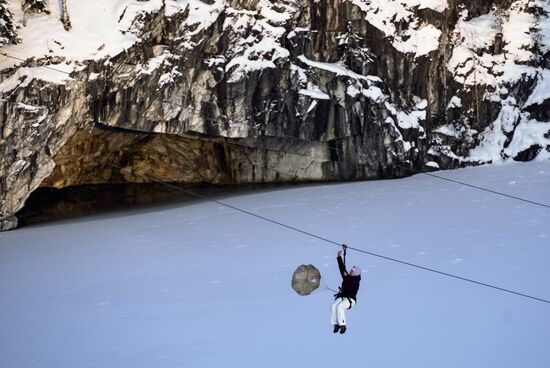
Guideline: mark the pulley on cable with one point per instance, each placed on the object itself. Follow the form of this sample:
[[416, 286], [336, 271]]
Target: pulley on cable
[[306, 279]]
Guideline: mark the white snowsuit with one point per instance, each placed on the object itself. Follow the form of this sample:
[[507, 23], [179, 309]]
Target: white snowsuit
[[339, 308]]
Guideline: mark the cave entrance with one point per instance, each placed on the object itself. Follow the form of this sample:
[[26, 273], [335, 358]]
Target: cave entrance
[[116, 156], [105, 170]]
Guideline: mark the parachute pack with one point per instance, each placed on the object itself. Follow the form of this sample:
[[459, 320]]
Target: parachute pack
[[306, 279]]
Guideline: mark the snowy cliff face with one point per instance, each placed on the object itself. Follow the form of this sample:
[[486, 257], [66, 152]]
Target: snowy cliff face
[[258, 91]]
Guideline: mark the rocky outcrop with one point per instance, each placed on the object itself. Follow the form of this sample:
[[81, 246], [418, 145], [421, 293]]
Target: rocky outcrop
[[107, 155], [257, 91]]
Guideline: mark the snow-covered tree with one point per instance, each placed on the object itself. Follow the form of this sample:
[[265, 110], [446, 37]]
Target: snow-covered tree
[[8, 35], [35, 7], [350, 47]]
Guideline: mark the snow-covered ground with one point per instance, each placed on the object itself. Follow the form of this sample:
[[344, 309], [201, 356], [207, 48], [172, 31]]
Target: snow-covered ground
[[204, 286], [99, 28]]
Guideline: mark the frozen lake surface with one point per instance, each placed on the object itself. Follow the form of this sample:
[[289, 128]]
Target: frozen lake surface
[[202, 285]]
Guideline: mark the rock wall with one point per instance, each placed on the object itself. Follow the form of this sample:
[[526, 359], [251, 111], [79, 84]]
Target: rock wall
[[292, 90]]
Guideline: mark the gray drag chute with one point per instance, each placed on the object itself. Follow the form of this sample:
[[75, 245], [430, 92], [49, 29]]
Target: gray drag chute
[[306, 279]]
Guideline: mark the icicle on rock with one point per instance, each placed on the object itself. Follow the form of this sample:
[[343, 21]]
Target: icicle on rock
[[306, 279]]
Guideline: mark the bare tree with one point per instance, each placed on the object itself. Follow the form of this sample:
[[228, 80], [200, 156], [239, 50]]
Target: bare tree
[[472, 40], [65, 15]]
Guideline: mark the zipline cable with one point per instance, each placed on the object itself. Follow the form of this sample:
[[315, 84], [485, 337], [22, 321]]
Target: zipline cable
[[353, 248], [439, 177], [481, 188], [38, 66], [451, 275], [307, 233]]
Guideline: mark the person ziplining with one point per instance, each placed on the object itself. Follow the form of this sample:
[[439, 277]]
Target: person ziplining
[[346, 297], [307, 278]]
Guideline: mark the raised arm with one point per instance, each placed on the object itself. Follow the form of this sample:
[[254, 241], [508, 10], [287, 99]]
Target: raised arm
[[341, 265]]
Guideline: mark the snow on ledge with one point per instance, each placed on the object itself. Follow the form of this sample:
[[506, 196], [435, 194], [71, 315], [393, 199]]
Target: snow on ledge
[[314, 92], [480, 32], [23, 76], [100, 28], [335, 68], [418, 38], [527, 134], [541, 92], [372, 92], [420, 42], [432, 164]]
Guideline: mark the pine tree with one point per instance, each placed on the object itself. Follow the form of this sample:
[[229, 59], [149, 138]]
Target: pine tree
[[35, 7], [350, 46], [8, 35]]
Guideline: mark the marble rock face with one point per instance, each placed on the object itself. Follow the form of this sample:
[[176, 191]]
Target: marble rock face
[[256, 91]]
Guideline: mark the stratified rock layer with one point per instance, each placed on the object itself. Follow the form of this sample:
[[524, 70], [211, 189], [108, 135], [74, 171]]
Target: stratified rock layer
[[280, 91]]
